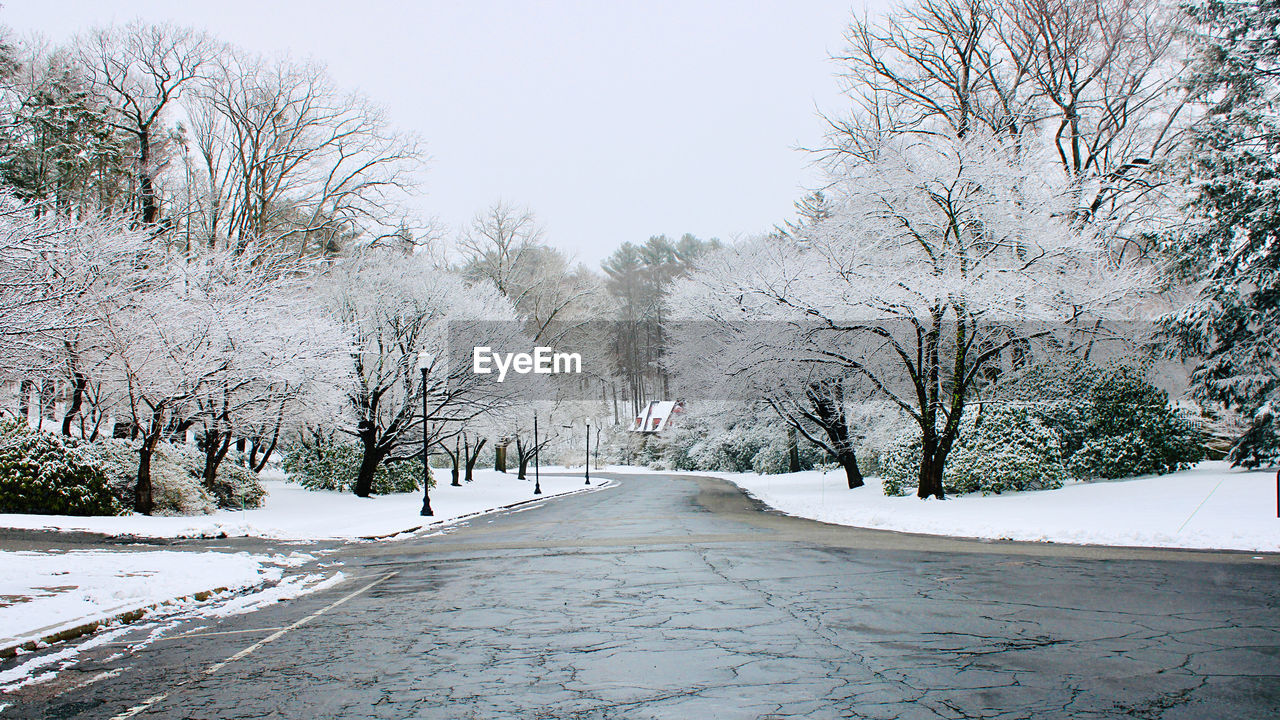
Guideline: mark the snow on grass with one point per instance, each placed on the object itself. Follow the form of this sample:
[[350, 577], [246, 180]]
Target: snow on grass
[[1210, 506], [292, 512], [45, 592]]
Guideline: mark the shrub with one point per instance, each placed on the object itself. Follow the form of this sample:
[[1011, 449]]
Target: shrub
[[1113, 423], [324, 463], [236, 486], [44, 473], [177, 484], [999, 450], [900, 463], [740, 445], [175, 489]]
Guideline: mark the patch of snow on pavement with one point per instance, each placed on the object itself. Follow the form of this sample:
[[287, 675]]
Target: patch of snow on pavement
[[287, 589], [1211, 506]]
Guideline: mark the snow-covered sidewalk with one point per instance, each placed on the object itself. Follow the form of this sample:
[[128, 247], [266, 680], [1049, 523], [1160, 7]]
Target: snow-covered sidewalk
[[1211, 506], [292, 512]]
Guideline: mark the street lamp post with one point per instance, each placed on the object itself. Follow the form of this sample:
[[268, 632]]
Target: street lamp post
[[537, 479], [425, 363], [586, 468]]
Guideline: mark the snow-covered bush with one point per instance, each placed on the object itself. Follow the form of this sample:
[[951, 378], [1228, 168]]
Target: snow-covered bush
[[999, 450], [1112, 421], [176, 476], [176, 488], [1004, 449], [236, 485], [738, 445], [326, 463], [119, 461], [45, 473], [900, 463], [1131, 429]]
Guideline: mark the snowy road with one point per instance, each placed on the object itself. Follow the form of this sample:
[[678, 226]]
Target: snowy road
[[671, 597]]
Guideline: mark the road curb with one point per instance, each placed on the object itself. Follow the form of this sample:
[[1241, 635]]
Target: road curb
[[608, 482], [81, 629]]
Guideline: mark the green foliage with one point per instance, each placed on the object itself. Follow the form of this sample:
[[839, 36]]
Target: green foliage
[[44, 473], [177, 485], [999, 450], [325, 463], [1112, 422], [1004, 449], [1228, 249], [745, 445], [1130, 429], [236, 485], [900, 463]]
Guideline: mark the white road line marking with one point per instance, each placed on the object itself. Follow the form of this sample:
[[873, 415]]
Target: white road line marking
[[220, 632], [140, 707], [144, 705], [288, 628]]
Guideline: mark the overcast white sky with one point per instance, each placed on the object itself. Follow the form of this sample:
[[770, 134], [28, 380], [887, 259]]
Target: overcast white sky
[[611, 120]]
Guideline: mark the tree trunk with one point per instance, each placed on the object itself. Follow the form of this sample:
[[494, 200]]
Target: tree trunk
[[143, 502], [930, 480], [793, 450], [474, 457], [266, 454], [523, 456], [373, 455], [831, 416], [932, 462], [146, 186], [457, 460], [216, 445], [849, 461], [24, 399], [77, 400]]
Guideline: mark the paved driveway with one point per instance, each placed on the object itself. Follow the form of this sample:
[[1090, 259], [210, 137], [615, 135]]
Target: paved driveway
[[671, 597]]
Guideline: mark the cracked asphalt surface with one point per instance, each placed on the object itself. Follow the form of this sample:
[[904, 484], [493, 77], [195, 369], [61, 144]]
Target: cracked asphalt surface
[[671, 597]]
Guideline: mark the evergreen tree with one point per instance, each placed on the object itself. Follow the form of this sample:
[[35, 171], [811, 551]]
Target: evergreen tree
[[1233, 244]]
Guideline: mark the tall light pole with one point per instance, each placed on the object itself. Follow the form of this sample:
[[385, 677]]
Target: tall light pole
[[424, 363], [586, 469], [537, 480]]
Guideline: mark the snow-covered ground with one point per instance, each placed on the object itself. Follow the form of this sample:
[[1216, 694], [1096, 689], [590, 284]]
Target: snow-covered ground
[[42, 593], [292, 512], [1210, 506]]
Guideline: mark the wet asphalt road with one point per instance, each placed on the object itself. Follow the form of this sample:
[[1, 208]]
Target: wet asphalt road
[[671, 597]]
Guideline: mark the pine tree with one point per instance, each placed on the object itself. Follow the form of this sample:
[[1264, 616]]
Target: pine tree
[[1232, 246]]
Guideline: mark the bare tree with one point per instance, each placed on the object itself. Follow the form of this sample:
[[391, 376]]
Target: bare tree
[[398, 312], [138, 71], [1099, 78], [936, 261], [283, 159], [497, 243]]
